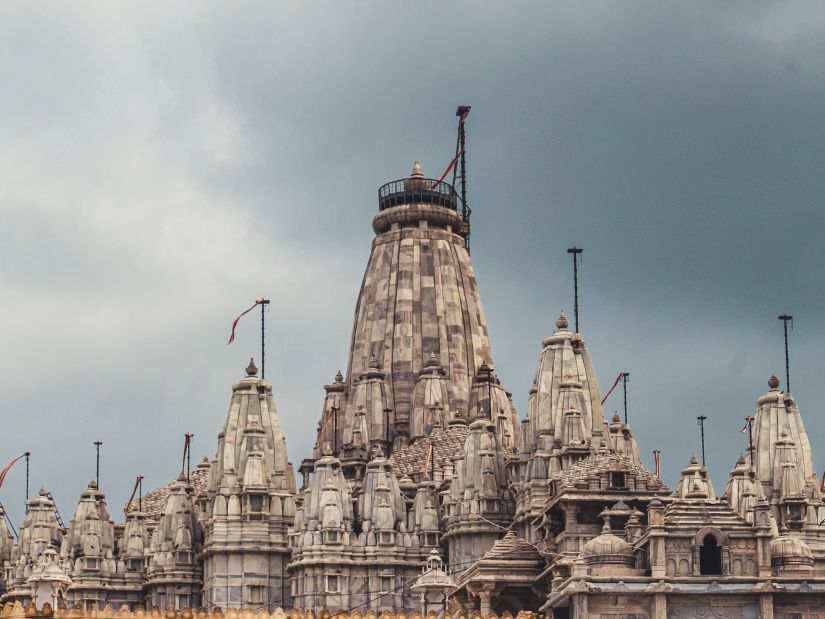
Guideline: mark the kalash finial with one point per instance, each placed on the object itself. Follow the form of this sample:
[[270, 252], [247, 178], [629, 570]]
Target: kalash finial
[[773, 382], [251, 369], [562, 322], [416, 181]]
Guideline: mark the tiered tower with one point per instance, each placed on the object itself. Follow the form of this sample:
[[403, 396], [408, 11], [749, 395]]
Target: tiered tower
[[249, 503], [419, 339], [357, 553]]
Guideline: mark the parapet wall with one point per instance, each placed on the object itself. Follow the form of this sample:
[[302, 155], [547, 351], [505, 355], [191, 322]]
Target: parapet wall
[[17, 611]]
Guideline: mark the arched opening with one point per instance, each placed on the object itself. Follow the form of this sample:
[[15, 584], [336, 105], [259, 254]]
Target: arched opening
[[710, 556]]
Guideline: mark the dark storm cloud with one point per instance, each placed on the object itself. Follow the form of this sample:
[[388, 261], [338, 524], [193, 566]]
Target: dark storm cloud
[[161, 167]]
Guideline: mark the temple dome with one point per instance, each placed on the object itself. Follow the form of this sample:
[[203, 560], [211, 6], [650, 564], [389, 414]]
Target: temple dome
[[608, 549], [790, 553]]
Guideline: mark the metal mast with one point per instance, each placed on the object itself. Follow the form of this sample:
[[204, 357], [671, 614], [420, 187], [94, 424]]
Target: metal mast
[[701, 419], [576, 251], [264, 303], [461, 154], [785, 318]]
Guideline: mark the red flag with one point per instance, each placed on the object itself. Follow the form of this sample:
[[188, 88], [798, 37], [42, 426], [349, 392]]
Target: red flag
[[453, 162], [618, 378], [6, 470], [332, 411], [822, 487], [186, 443], [134, 491], [748, 421], [656, 455], [427, 461], [447, 171], [235, 322]]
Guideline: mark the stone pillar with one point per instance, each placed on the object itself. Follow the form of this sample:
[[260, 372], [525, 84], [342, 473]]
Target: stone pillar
[[579, 607], [658, 608], [696, 555], [766, 606], [484, 598]]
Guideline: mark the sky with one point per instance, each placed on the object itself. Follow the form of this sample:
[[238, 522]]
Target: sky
[[163, 165]]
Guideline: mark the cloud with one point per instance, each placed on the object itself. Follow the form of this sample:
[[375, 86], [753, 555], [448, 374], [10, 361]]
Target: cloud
[[162, 166]]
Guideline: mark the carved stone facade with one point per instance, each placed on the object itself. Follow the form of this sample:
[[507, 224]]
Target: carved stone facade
[[425, 491]]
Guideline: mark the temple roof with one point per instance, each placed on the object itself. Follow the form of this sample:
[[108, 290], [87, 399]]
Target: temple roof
[[602, 461], [448, 444], [511, 559], [154, 502]]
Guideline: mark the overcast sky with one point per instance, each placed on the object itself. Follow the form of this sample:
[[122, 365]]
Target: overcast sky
[[163, 165]]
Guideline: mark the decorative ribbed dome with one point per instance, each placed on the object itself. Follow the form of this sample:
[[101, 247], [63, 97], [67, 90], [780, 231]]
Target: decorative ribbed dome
[[790, 553], [608, 549]]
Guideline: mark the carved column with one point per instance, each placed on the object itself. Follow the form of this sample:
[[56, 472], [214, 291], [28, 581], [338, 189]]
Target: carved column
[[766, 606], [658, 608]]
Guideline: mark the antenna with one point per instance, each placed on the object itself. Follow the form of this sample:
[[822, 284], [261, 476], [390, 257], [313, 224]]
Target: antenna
[[264, 303], [576, 251], [28, 456], [625, 376], [785, 318], [97, 463], [461, 154], [701, 419]]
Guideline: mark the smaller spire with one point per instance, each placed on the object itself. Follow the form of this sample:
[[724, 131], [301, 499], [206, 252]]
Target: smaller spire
[[694, 460], [773, 382], [373, 361], [416, 171], [251, 369], [339, 378], [562, 323]]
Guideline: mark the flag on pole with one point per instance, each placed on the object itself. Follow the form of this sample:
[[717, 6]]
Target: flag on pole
[[134, 492], [242, 314], [457, 155], [748, 421], [187, 441], [615, 384], [6, 470], [656, 456], [427, 461]]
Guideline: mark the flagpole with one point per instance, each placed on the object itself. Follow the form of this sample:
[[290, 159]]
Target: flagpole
[[264, 303]]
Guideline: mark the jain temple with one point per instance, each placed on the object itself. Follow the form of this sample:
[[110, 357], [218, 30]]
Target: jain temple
[[427, 492]]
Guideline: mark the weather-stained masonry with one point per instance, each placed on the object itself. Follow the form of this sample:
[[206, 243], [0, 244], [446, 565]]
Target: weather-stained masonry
[[425, 492]]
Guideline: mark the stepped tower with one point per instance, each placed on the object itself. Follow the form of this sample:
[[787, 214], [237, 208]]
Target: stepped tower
[[419, 336], [249, 504]]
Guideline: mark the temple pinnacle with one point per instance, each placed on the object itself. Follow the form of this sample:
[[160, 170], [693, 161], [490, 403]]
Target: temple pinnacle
[[251, 369]]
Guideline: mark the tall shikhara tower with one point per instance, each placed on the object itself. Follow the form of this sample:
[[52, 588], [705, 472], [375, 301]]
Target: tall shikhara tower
[[420, 356]]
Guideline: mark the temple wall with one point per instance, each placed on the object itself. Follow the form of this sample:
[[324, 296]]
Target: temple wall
[[17, 611]]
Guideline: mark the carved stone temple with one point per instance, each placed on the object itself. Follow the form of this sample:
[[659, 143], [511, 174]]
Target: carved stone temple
[[427, 491]]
